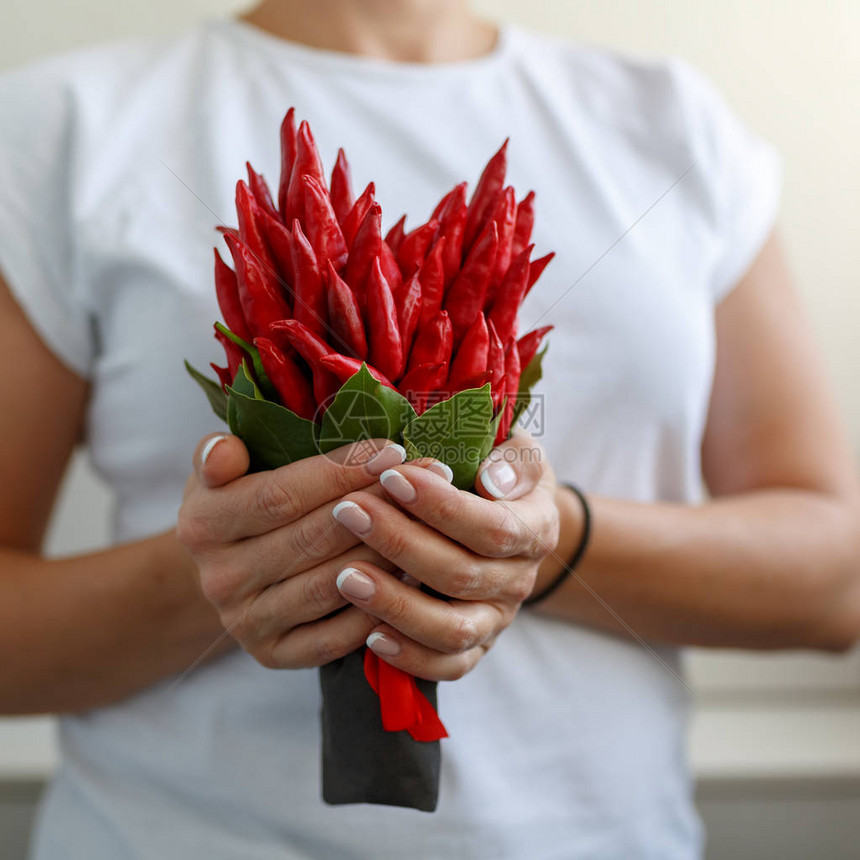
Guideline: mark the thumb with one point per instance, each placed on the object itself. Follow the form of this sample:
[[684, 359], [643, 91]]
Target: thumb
[[220, 458], [511, 470]]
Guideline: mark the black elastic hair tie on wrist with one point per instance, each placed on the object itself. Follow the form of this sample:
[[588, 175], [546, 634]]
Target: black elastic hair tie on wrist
[[577, 556]]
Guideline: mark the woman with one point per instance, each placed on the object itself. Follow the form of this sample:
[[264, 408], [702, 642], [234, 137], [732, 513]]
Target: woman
[[679, 354]]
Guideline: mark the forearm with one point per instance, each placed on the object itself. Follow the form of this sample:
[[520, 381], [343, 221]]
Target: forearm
[[767, 569], [90, 630]]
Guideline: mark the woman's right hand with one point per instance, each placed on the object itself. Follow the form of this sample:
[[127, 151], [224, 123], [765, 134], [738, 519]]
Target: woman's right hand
[[269, 551]]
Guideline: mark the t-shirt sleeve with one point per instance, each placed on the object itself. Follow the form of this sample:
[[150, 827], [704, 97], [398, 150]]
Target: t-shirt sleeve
[[37, 246], [743, 174]]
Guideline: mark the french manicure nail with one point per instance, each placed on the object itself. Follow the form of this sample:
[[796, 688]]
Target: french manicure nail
[[398, 486], [207, 448], [385, 458], [353, 583], [355, 518], [499, 478], [442, 469], [381, 644]]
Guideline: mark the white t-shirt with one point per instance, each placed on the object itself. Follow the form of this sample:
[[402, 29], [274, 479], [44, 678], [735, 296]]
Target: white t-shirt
[[115, 166]]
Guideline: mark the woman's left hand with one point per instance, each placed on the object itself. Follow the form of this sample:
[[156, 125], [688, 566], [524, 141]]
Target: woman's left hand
[[480, 552]]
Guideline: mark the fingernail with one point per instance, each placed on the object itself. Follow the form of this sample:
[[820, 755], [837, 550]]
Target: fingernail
[[207, 448], [390, 455], [381, 644], [442, 469], [355, 518], [499, 478], [353, 583], [398, 486]]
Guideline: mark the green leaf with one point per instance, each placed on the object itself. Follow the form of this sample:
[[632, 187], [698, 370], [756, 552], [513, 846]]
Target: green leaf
[[458, 431], [244, 383], [233, 415], [364, 408], [213, 391], [491, 436], [528, 379], [253, 353], [274, 436]]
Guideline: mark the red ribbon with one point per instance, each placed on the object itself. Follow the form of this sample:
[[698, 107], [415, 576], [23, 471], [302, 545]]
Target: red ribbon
[[403, 705]]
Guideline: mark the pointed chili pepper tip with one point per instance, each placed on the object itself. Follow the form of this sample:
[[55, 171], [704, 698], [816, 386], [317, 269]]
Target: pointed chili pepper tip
[[344, 367]]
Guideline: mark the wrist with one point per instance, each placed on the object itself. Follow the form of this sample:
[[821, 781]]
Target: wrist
[[184, 598], [570, 545]]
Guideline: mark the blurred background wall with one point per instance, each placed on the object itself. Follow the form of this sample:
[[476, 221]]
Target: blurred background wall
[[776, 738]]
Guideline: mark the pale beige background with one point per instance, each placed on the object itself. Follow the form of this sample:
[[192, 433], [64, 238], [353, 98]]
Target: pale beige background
[[791, 68]]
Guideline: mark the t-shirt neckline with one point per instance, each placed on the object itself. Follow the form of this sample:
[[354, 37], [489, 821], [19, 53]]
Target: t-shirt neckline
[[340, 62]]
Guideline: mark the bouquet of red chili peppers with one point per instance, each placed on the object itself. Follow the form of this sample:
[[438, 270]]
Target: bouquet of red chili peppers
[[334, 333]]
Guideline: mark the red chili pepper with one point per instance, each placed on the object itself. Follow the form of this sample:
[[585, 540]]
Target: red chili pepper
[[433, 343], [509, 296], [223, 375], [394, 237], [388, 263], [529, 343], [345, 317], [235, 354], [486, 196], [512, 387], [288, 157], [444, 203], [342, 198], [227, 291], [356, 215], [410, 302], [524, 223], [227, 231], [292, 333], [423, 385], [496, 365], [386, 349], [281, 245], [262, 302], [342, 366], [452, 227], [470, 359], [365, 249], [537, 267], [465, 297], [307, 163], [415, 247], [479, 380], [505, 217], [290, 382], [311, 348], [260, 189], [323, 230], [309, 307], [432, 278], [251, 216]]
